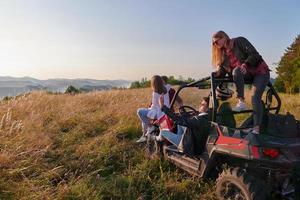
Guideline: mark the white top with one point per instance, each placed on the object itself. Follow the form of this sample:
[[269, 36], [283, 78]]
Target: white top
[[168, 87], [155, 111], [203, 113]]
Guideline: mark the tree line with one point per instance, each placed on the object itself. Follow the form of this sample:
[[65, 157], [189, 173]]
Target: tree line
[[144, 82], [288, 69]]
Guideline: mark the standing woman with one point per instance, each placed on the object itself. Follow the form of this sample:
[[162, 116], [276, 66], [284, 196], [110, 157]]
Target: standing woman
[[239, 58], [148, 115]]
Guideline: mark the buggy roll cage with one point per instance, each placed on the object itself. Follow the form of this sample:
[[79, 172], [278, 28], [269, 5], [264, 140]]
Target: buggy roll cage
[[212, 82]]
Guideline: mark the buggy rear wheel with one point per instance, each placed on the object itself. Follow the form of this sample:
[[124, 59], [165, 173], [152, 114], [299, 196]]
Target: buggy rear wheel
[[237, 184]]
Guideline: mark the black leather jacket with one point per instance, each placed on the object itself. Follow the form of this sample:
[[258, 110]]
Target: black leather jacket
[[199, 126], [245, 53]]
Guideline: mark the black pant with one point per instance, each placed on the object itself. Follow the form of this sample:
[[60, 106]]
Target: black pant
[[259, 83]]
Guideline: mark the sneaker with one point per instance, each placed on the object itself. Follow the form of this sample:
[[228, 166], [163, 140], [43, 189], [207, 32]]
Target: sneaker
[[240, 106], [150, 130], [142, 139], [252, 131], [255, 132], [159, 138]]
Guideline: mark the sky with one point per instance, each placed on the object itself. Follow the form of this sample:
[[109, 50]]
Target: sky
[[131, 39]]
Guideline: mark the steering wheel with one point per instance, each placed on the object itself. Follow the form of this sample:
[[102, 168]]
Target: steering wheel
[[187, 110]]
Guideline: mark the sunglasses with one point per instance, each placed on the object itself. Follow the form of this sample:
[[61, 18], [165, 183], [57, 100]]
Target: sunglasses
[[216, 41]]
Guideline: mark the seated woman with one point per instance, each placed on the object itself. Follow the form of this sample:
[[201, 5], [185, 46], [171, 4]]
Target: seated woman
[[148, 115], [199, 124]]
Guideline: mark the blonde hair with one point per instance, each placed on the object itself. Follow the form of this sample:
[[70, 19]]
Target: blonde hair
[[218, 54], [157, 85]]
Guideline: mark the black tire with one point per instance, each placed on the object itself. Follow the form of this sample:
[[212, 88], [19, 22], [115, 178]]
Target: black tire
[[154, 148], [150, 147], [159, 149], [237, 184]]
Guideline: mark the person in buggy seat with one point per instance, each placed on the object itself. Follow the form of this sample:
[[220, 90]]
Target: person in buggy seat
[[198, 124]]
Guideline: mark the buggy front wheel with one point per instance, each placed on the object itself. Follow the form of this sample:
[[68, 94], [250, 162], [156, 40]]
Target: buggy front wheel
[[237, 184], [154, 148]]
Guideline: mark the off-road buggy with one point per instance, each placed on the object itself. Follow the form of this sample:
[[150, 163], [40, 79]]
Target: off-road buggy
[[244, 165]]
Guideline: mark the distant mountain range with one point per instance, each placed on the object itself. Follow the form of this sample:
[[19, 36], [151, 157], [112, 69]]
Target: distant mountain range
[[11, 86]]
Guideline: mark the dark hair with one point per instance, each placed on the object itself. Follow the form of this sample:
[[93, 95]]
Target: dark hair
[[165, 79], [158, 85]]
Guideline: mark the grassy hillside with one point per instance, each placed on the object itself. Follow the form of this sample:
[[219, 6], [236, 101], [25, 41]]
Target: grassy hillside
[[83, 147]]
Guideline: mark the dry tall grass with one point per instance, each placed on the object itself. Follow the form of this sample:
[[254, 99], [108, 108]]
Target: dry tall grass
[[83, 147]]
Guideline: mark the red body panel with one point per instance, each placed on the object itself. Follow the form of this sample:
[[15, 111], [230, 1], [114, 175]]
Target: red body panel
[[165, 123], [231, 142], [255, 152]]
